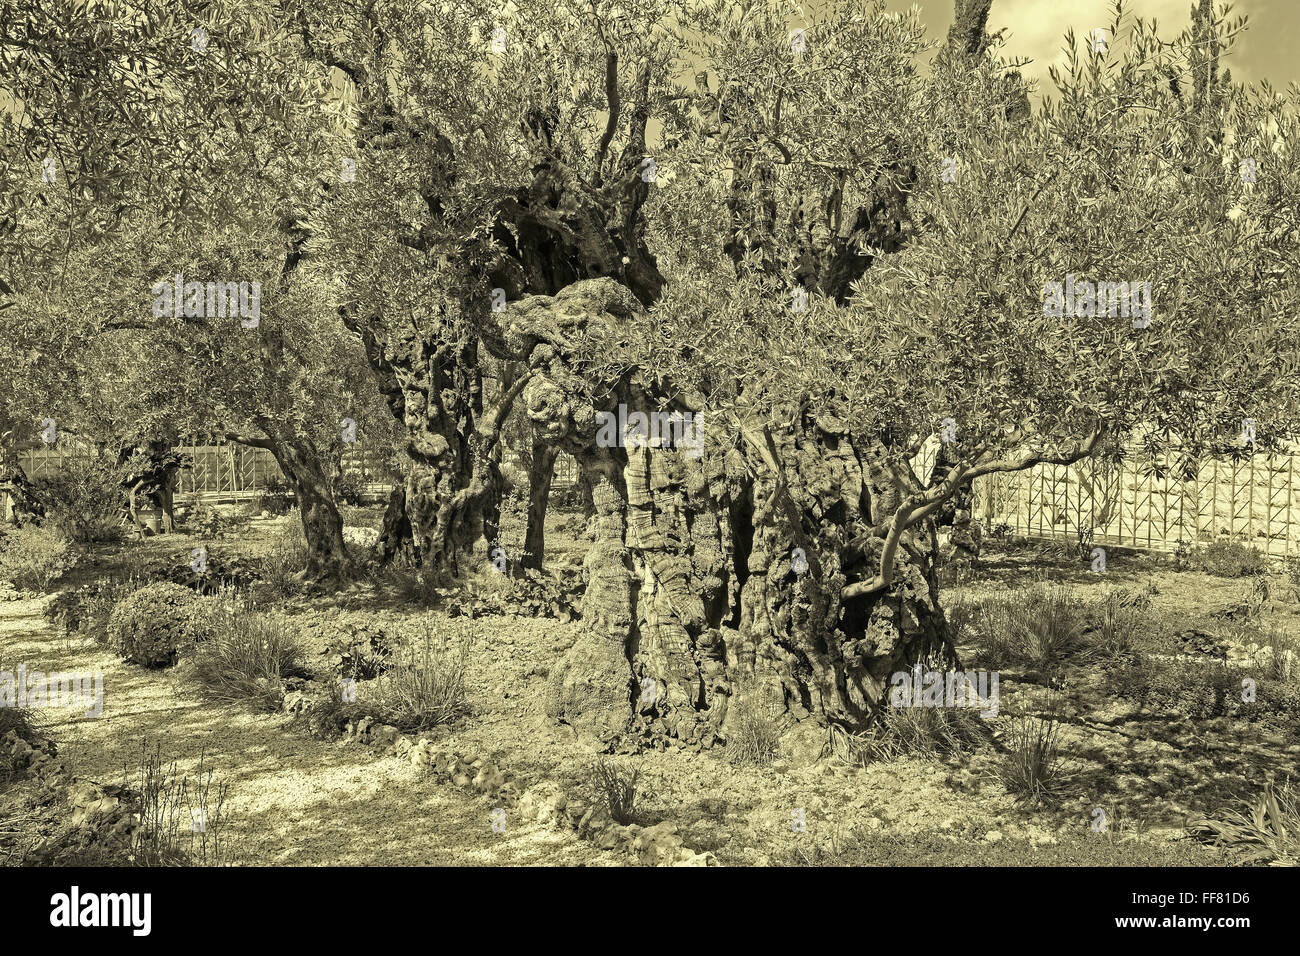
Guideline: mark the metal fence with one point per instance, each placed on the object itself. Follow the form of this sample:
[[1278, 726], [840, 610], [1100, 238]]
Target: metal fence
[[1255, 501], [233, 472]]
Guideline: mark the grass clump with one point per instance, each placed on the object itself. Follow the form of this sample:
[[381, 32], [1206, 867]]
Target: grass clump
[[1036, 628], [922, 731], [1267, 831], [1031, 766], [618, 787], [424, 683], [246, 657], [753, 731]]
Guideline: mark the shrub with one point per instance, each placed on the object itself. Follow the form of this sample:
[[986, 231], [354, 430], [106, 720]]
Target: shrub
[[32, 557], [85, 610], [359, 653], [424, 684], [246, 656], [1268, 832], [347, 489], [1184, 686], [1291, 568], [1031, 767], [85, 499], [326, 715], [205, 521], [16, 721], [753, 731], [150, 626], [618, 787], [275, 498], [1224, 559]]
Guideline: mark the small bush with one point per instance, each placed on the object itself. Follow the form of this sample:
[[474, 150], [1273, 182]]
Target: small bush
[[753, 731], [85, 499], [359, 653], [16, 721], [347, 489], [150, 626], [275, 498], [206, 521], [246, 657], [424, 684], [1267, 832], [617, 787], [1291, 569], [32, 557], [1185, 686], [1031, 766], [85, 610], [1224, 559], [327, 715]]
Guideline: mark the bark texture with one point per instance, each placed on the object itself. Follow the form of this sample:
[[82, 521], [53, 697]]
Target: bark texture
[[718, 572]]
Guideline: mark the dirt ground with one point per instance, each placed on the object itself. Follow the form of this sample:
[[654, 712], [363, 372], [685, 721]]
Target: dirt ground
[[294, 799]]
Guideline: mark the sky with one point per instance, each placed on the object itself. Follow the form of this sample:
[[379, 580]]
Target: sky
[[1036, 28]]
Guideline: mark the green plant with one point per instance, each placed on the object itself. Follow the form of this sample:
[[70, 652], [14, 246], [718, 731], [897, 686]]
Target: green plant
[[206, 521], [347, 489], [1291, 569], [150, 626], [1183, 686], [276, 497], [246, 657], [326, 715], [1030, 767], [1282, 662], [359, 653], [753, 729], [618, 787], [424, 683], [31, 557], [86, 609], [927, 731], [85, 499], [285, 559], [1267, 832], [182, 820], [1037, 627], [17, 721], [1224, 559]]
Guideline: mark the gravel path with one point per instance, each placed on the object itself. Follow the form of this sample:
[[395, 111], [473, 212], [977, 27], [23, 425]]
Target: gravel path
[[293, 800]]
